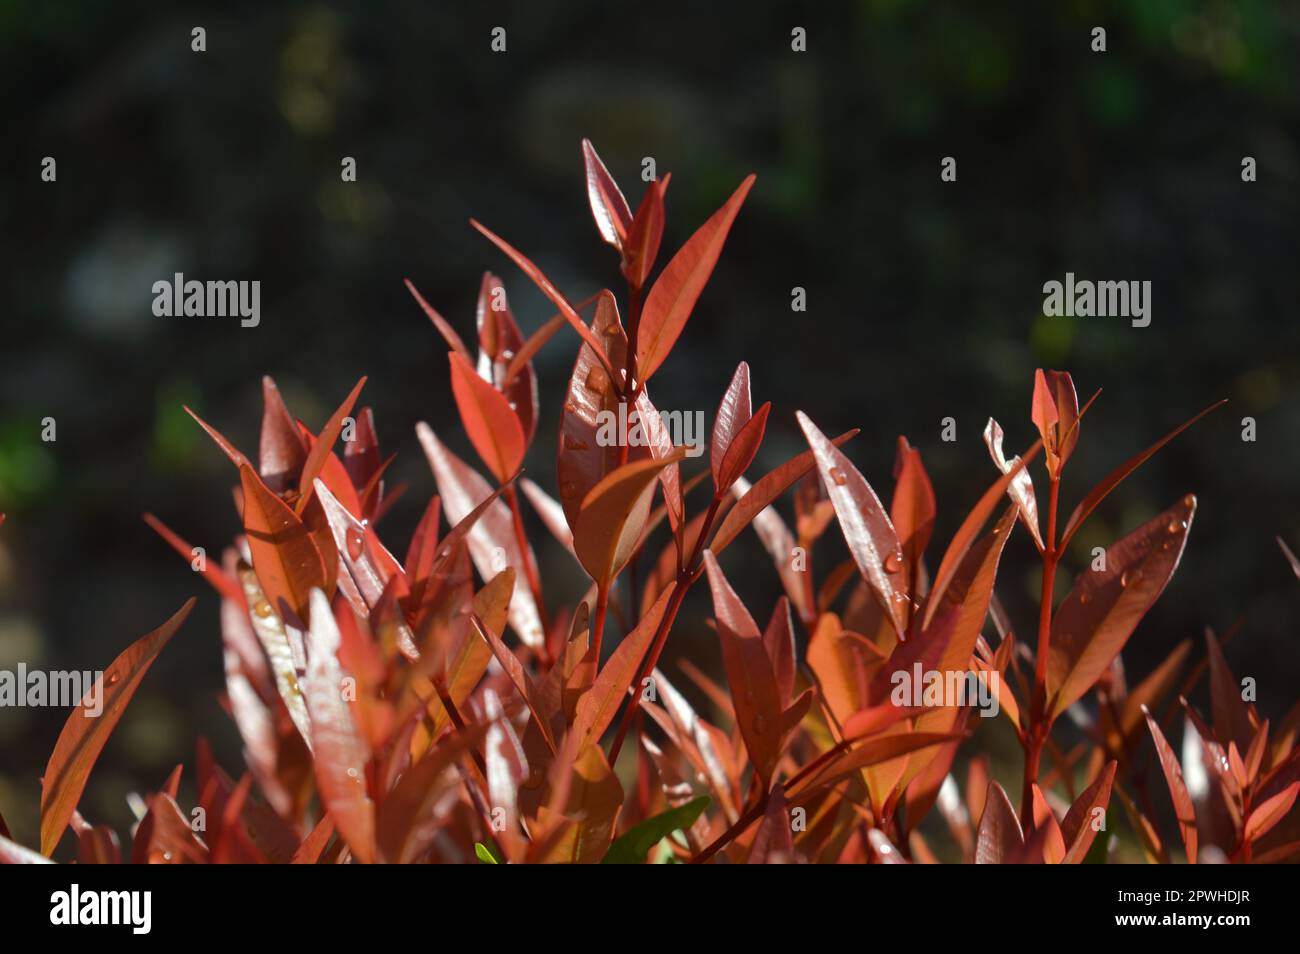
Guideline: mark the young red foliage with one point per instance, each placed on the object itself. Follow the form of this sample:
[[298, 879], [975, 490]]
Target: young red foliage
[[387, 714]]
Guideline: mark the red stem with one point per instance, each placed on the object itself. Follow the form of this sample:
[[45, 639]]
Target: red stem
[[1039, 723], [598, 624], [685, 577]]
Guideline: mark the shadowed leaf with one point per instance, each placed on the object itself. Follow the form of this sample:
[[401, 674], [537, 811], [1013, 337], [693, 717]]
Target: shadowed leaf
[[1105, 606], [1173, 772], [999, 837], [89, 726]]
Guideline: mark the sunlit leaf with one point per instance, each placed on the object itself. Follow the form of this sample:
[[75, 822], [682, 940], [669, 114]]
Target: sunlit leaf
[[340, 752], [287, 562], [870, 535], [674, 293], [608, 207], [492, 426], [612, 514]]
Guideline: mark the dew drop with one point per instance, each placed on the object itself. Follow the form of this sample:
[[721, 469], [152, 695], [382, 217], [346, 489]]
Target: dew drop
[[113, 677], [893, 563], [597, 379], [262, 608], [1085, 598], [507, 354], [839, 477], [1124, 578], [355, 541], [1175, 525]]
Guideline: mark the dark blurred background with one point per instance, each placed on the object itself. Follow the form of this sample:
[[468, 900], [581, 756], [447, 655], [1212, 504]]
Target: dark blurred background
[[924, 298]]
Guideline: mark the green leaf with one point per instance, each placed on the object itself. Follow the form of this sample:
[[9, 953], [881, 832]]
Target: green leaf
[[484, 854], [632, 848]]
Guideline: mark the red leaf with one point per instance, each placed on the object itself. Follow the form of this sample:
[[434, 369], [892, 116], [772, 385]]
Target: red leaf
[[875, 751], [1104, 607], [733, 413], [598, 706], [608, 207], [754, 690], [774, 840], [448, 333], [309, 851], [230, 450], [287, 562], [324, 445], [765, 490], [492, 426], [423, 550], [366, 560], [744, 448], [518, 675], [1077, 828], [1055, 413], [965, 535], [501, 341], [642, 245], [541, 281], [340, 753], [585, 456], [1117, 476], [1021, 489], [999, 838], [611, 517], [84, 733], [462, 490], [361, 455], [1183, 806], [219, 580], [912, 509], [673, 295], [402, 828], [1231, 716], [1270, 812], [281, 452], [778, 640], [867, 530]]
